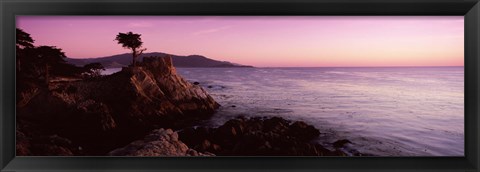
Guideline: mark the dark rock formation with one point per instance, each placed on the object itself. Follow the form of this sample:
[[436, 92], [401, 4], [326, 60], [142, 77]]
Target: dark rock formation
[[106, 113], [257, 136], [34, 143], [96, 116], [159, 142], [341, 143]]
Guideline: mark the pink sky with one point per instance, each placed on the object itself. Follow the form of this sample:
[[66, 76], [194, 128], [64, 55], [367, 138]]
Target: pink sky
[[265, 41]]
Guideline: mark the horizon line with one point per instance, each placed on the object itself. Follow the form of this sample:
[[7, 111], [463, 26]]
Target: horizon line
[[271, 66]]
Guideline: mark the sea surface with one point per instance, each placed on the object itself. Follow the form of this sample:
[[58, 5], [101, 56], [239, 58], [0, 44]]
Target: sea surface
[[384, 111]]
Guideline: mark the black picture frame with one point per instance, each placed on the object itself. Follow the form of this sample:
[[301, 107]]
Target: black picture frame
[[11, 8]]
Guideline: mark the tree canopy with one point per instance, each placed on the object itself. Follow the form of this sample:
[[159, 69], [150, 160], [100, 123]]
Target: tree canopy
[[34, 62], [50, 55], [131, 41], [93, 70], [23, 39]]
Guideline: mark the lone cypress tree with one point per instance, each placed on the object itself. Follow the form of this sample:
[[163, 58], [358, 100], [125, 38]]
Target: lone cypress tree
[[131, 41]]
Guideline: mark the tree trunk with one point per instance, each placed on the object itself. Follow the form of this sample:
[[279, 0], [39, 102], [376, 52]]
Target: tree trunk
[[134, 57]]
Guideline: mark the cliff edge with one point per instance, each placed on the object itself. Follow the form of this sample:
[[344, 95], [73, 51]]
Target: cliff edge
[[93, 117]]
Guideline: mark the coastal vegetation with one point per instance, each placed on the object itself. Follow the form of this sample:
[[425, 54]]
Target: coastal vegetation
[[44, 62]]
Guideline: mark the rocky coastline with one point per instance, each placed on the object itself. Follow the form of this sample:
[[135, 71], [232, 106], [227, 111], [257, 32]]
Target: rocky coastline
[[257, 136], [146, 110]]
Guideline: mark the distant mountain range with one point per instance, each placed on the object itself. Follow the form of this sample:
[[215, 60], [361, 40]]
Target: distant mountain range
[[122, 60]]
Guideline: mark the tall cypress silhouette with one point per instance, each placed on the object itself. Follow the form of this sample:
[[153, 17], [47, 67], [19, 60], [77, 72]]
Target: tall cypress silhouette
[[131, 41]]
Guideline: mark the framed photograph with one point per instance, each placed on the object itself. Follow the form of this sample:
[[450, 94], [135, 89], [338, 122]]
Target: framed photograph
[[240, 85]]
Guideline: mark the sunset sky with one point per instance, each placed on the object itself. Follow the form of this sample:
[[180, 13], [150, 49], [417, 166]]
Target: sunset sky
[[264, 41]]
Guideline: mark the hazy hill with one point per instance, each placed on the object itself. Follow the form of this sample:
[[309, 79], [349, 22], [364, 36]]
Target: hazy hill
[[122, 60]]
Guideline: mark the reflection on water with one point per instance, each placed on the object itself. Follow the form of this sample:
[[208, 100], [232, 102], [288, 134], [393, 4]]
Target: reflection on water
[[383, 111]]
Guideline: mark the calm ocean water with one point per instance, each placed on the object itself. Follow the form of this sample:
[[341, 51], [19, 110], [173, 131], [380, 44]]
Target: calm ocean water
[[395, 111]]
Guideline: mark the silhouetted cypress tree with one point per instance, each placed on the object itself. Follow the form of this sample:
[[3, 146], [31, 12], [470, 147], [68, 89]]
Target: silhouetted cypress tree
[[131, 41]]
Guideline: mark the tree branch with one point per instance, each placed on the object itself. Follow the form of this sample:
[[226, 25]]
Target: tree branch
[[141, 51]]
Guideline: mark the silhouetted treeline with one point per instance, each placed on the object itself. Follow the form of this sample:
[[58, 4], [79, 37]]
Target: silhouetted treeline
[[44, 62]]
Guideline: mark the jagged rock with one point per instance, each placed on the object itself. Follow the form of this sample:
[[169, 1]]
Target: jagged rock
[[97, 114], [44, 145], [149, 94], [159, 142], [105, 113], [195, 136], [53, 145], [304, 131], [341, 143], [258, 136]]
